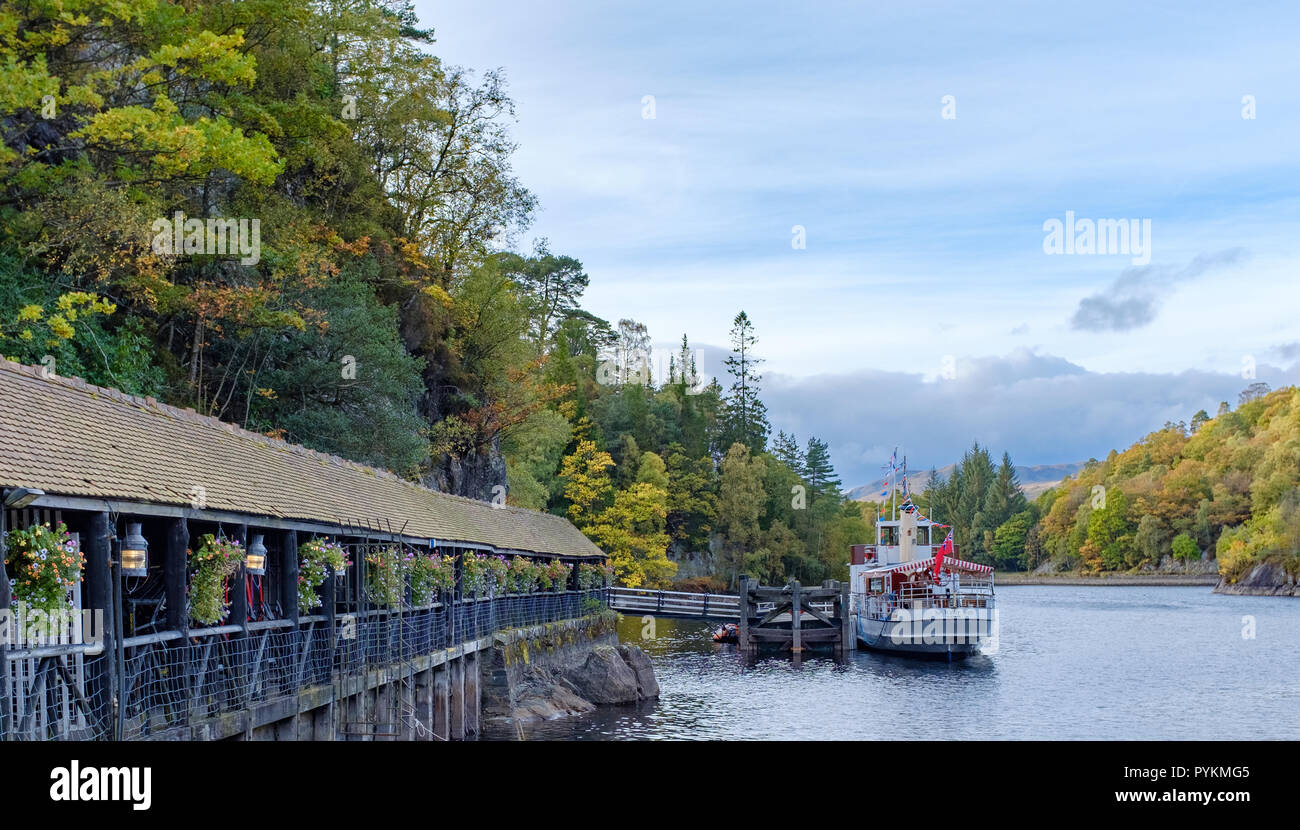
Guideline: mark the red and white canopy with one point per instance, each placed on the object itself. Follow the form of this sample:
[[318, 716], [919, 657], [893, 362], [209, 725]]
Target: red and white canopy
[[949, 562]]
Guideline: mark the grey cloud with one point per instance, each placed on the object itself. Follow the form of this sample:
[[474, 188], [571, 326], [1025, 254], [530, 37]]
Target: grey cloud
[[1132, 300], [1040, 408], [1288, 351], [1098, 313]]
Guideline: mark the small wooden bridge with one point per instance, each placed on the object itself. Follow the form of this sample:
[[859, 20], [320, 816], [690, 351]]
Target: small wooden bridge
[[676, 604], [765, 616]]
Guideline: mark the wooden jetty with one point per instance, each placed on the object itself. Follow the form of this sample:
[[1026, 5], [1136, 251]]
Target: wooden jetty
[[764, 615], [794, 617]]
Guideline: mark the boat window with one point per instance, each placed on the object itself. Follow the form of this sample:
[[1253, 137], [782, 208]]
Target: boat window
[[923, 535], [889, 536]]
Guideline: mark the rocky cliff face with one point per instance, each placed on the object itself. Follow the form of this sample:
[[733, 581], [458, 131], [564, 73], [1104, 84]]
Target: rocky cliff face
[[562, 669], [1265, 579], [473, 477]]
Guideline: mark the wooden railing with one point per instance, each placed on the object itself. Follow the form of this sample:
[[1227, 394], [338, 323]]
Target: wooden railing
[[172, 678], [675, 603]]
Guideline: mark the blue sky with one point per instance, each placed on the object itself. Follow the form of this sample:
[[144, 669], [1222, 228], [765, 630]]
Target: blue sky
[[924, 234]]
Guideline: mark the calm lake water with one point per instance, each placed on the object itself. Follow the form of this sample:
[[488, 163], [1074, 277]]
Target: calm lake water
[[1159, 663]]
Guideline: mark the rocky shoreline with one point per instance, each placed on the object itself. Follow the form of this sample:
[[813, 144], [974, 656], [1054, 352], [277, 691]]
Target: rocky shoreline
[[610, 676], [562, 669], [1107, 579], [1267, 579]]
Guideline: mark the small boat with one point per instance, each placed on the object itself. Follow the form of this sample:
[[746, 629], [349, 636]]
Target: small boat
[[727, 633], [912, 595]]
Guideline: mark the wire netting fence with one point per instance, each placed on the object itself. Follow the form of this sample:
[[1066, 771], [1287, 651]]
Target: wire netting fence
[[172, 679]]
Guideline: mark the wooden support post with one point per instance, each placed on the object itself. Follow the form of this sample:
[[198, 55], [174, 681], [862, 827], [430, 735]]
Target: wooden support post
[[848, 636], [97, 549], [239, 590], [471, 694], [743, 627], [289, 575], [178, 543], [424, 705], [6, 705], [796, 617], [442, 702], [324, 723], [384, 710], [457, 717], [406, 723]]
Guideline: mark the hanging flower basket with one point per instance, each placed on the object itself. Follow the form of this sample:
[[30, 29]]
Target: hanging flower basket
[[214, 562], [557, 575], [315, 558], [523, 575], [386, 571], [44, 564], [431, 575]]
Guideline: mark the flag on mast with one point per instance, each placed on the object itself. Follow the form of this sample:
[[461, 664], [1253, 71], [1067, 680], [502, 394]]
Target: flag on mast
[[945, 549]]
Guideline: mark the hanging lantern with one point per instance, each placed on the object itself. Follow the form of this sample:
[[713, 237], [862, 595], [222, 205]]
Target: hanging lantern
[[135, 552], [255, 557]]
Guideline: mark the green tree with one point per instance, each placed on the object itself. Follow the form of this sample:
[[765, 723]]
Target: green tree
[[740, 507], [1185, 549], [692, 498], [552, 286], [788, 451], [1110, 538], [1009, 541], [344, 385], [746, 415], [819, 472]]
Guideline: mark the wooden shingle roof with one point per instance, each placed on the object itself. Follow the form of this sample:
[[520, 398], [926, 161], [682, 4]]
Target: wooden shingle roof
[[70, 438]]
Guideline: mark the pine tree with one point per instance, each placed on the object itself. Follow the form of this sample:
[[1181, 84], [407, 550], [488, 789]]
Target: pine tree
[[818, 470], [1004, 499], [786, 448], [682, 371], [746, 414]]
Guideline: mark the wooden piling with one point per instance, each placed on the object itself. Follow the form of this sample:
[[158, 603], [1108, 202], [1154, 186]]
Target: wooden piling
[[471, 694], [848, 637], [743, 626], [796, 617], [457, 716], [441, 703]]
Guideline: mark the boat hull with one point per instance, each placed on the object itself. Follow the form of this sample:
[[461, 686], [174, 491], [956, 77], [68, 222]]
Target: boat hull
[[899, 637]]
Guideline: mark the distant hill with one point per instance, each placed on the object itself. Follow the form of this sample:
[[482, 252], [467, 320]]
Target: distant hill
[[1033, 480]]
